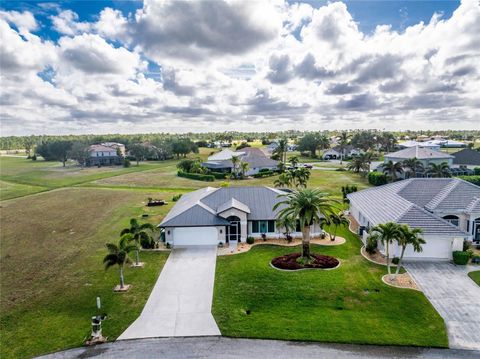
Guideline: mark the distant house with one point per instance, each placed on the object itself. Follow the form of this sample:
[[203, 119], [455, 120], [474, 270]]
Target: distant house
[[105, 154], [446, 209], [273, 146], [255, 157], [428, 144], [336, 152], [466, 157], [423, 154]]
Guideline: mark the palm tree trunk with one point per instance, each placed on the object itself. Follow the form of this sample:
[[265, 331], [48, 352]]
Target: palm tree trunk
[[306, 241], [388, 258], [400, 262], [122, 280], [137, 257], [334, 233]]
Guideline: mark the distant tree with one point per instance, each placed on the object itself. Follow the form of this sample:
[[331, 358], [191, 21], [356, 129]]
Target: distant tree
[[392, 169], [183, 146], [235, 163], [55, 150], [310, 142], [244, 166], [79, 152], [361, 163], [364, 140], [186, 165], [294, 161], [284, 180], [30, 143], [387, 141], [343, 143], [139, 151], [118, 255], [243, 145], [301, 176], [412, 166], [281, 149]]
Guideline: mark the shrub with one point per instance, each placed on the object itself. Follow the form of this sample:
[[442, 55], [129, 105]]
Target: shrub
[[371, 246], [266, 173], [34, 157], [395, 260], [250, 240], [176, 197], [377, 178], [341, 169], [476, 170], [473, 179], [264, 170], [264, 237], [460, 257], [466, 245], [290, 262], [225, 184], [126, 163], [196, 176], [218, 175], [147, 243]]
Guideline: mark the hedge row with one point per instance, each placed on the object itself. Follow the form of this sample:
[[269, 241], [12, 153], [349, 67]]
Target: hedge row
[[472, 179], [476, 170], [218, 175], [267, 173], [377, 178], [196, 176]]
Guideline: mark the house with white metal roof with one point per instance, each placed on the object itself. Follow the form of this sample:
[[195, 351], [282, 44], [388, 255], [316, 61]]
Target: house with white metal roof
[[226, 215], [424, 154], [446, 209]]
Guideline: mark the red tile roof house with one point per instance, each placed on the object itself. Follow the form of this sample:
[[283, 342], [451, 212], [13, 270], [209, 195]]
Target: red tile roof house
[[105, 154], [446, 209]]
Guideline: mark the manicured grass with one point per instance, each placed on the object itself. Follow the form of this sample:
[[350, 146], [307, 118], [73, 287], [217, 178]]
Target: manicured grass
[[349, 304], [10, 190], [475, 275], [51, 271]]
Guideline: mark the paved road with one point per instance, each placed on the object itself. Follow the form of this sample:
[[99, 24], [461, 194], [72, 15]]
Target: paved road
[[181, 301], [455, 296], [227, 348]]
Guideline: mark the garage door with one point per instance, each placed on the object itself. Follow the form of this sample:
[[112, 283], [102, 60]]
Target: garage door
[[434, 248], [195, 236]]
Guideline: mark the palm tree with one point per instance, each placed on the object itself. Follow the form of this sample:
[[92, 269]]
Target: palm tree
[[288, 224], [118, 255], [440, 170], [409, 236], [281, 150], [301, 176], [140, 234], [412, 165], [392, 169], [294, 161], [308, 206], [337, 220], [386, 233], [235, 162], [284, 180], [243, 168], [361, 163], [343, 143]]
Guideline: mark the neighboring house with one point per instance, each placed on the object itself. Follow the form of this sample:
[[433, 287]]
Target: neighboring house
[[102, 155], [423, 154], [226, 215], [466, 157], [446, 209], [336, 152], [115, 145], [273, 146], [255, 157], [448, 143], [408, 144]]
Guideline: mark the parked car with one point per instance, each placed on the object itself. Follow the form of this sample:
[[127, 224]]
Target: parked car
[[306, 165]]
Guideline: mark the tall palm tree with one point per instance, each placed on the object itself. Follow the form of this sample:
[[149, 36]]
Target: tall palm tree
[[439, 170], [281, 150], [323, 142], [235, 162], [361, 163], [409, 236], [301, 176], [118, 255], [141, 234], [284, 180], [343, 143], [412, 166], [243, 168], [392, 169], [386, 233], [308, 206], [337, 220]]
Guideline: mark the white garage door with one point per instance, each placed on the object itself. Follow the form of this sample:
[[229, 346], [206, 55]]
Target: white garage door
[[435, 248], [195, 236]]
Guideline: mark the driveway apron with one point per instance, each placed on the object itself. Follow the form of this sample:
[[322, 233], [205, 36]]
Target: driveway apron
[[455, 296], [181, 301]]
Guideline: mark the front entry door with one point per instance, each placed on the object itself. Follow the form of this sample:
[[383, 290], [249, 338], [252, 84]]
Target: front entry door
[[233, 230]]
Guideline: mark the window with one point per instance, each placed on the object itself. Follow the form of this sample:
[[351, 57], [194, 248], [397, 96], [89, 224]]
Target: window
[[452, 219], [271, 226], [254, 226], [263, 226]]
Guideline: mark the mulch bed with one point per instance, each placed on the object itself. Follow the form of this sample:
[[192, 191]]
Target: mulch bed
[[289, 262]]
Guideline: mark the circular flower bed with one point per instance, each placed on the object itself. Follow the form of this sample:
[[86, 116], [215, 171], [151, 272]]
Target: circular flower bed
[[290, 262]]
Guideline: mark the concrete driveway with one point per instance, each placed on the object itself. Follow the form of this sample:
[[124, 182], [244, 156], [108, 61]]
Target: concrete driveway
[[456, 298], [181, 301]]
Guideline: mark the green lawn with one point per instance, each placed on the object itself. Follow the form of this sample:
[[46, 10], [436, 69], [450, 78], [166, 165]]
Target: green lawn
[[51, 271], [10, 190], [475, 275], [348, 305]]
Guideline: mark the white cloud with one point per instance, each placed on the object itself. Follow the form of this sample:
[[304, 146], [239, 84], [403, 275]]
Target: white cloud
[[66, 22], [24, 21]]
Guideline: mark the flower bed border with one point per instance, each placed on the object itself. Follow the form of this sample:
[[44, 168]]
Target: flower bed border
[[306, 268]]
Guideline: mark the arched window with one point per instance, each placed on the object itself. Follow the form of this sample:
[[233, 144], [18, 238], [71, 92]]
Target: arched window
[[452, 219]]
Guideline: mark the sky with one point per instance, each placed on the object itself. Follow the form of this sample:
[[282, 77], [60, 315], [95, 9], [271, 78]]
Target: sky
[[76, 67]]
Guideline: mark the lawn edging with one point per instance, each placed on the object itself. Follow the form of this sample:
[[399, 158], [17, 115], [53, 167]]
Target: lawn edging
[[384, 277], [297, 270]]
